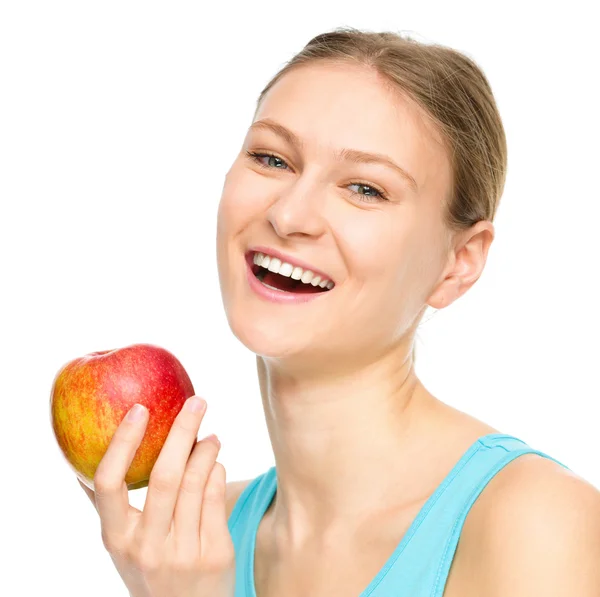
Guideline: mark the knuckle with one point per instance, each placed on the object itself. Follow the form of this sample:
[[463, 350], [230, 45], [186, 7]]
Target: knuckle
[[229, 554], [163, 482], [185, 566], [146, 559], [115, 546], [192, 482], [110, 543], [186, 424], [217, 561], [198, 470], [186, 563], [212, 493], [104, 484], [125, 436]]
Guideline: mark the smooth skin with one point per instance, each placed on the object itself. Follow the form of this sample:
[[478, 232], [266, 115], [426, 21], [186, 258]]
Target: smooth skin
[[535, 529], [359, 442], [180, 545]]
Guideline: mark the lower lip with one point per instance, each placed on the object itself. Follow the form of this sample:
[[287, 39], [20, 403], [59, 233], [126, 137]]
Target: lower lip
[[278, 296]]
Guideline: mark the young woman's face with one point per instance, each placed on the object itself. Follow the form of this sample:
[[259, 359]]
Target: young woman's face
[[384, 256]]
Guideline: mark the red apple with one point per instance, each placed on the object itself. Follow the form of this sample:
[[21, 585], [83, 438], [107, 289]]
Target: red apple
[[91, 395]]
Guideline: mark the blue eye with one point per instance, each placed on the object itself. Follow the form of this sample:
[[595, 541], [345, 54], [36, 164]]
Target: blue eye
[[257, 156], [379, 194], [378, 197]]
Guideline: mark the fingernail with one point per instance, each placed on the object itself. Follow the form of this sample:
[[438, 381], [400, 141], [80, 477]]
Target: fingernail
[[195, 404], [136, 413]]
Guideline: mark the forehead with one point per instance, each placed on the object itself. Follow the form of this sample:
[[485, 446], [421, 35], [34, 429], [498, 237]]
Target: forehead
[[336, 106]]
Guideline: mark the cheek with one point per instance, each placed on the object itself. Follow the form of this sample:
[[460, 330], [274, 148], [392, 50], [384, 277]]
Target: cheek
[[224, 213], [232, 218], [241, 200], [379, 246], [228, 226]]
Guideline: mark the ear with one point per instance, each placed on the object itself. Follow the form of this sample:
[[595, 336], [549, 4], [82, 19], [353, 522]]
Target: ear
[[466, 260]]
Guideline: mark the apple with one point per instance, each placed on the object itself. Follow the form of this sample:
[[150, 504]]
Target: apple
[[92, 394]]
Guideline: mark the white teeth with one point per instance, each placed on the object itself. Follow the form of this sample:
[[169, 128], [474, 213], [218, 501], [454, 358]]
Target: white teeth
[[274, 265], [288, 270], [307, 276]]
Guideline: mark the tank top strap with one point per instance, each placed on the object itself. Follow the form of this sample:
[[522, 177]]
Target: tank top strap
[[243, 525], [248, 501], [420, 565]]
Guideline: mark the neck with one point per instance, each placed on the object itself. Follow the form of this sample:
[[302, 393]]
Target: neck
[[345, 447]]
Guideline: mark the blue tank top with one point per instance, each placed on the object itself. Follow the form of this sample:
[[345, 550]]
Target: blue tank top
[[420, 564]]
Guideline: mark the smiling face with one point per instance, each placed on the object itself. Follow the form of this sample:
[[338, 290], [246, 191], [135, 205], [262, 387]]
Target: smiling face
[[311, 202]]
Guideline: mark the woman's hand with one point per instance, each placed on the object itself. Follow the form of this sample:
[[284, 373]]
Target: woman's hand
[[180, 545]]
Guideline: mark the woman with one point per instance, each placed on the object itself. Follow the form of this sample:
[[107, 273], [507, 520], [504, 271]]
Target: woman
[[328, 258]]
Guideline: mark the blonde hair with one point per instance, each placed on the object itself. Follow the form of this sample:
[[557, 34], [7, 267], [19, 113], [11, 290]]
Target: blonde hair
[[453, 92]]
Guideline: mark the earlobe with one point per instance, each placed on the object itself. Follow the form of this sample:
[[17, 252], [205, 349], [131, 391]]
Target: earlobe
[[436, 301], [443, 298]]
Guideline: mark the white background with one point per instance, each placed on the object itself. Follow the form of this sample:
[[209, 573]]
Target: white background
[[118, 122]]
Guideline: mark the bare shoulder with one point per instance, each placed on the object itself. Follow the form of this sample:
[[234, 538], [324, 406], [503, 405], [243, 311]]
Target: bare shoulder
[[233, 490], [532, 483], [535, 530]]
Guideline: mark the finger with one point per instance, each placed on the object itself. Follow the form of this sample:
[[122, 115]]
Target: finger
[[92, 496], [214, 531], [166, 475], [89, 492], [189, 501], [112, 499]]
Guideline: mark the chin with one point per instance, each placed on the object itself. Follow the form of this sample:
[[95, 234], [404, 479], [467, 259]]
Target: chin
[[261, 338], [302, 352]]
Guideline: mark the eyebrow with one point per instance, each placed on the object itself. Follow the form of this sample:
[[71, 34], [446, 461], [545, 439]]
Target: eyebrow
[[350, 155]]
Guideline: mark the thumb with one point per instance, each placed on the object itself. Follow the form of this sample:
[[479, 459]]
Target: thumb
[[89, 492]]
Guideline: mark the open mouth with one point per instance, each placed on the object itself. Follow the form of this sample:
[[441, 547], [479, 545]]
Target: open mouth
[[280, 282]]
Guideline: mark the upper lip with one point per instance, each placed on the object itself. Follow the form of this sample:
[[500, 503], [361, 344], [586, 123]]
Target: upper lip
[[289, 259]]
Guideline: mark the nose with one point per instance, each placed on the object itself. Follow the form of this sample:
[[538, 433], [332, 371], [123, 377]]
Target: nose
[[298, 211]]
